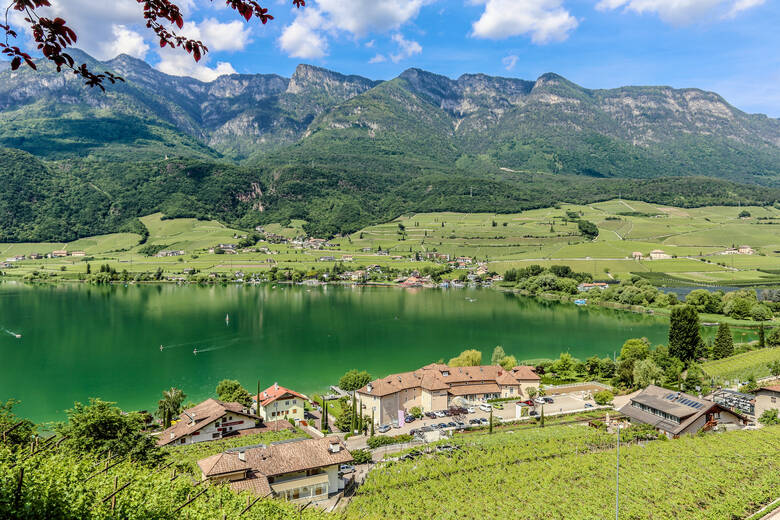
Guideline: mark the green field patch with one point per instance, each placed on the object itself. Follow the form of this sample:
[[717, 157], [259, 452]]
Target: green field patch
[[742, 366]]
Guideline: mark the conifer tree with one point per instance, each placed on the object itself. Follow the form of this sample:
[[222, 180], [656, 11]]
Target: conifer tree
[[684, 335], [724, 342], [761, 336]]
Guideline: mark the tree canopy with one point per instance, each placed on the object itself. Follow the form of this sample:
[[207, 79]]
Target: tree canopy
[[467, 358], [354, 379], [684, 335], [231, 391]]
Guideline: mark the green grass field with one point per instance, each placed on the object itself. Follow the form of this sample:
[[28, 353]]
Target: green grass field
[[542, 236], [743, 365]]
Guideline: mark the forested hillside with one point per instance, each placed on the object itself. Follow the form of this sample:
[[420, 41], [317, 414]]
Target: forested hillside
[[344, 151]]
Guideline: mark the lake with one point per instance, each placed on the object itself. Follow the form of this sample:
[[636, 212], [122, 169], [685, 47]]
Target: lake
[[79, 341]]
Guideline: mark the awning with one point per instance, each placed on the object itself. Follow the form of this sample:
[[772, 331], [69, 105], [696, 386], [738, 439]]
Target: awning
[[296, 483]]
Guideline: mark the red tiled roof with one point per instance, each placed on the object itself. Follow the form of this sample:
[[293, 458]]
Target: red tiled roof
[[773, 388], [490, 388], [274, 392], [525, 373]]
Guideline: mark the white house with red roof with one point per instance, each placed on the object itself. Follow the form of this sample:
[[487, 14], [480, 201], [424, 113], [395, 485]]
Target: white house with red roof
[[279, 403], [208, 421]]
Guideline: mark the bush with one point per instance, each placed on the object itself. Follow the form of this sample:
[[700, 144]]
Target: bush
[[382, 440], [769, 417], [361, 456], [604, 397]]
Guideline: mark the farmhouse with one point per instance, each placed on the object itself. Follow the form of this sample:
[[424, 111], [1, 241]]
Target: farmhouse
[[78, 253], [207, 421], [584, 287], [636, 255], [745, 250], [278, 402], [346, 258], [297, 470], [659, 254], [59, 253], [436, 387], [767, 398], [678, 413]]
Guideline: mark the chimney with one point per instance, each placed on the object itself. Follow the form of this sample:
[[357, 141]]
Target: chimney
[[335, 446], [173, 435], [276, 387], [369, 387], [242, 456]]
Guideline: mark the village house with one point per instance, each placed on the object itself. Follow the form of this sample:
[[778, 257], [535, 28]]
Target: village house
[[659, 254], [296, 470], [162, 254], [745, 250], [326, 259], [396, 257], [437, 387], [636, 255], [464, 259], [366, 249], [437, 256], [208, 421], [278, 402], [36, 256], [585, 287], [767, 398], [346, 258], [731, 251], [677, 413], [79, 254], [5, 265], [59, 253]]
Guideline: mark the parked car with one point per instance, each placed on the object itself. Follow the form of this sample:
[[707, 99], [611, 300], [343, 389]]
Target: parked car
[[346, 468], [430, 415], [529, 402], [452, 424], [384, 428], [441, 425], [588, 405], [449, 412], [426, 429], [539, 400], [485, 407], [414, 432], [483, 420], [533, 412], [440, 414], [474, 421], [459, 410], [549, 400], [498, 406], [470, 410], [409, 419], [461, 424], [395, 424]]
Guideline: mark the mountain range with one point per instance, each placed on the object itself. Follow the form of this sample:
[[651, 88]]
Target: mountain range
[[343, 151]]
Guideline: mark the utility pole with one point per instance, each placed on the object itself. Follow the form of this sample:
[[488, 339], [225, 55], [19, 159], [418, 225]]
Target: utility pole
[[617, 477]]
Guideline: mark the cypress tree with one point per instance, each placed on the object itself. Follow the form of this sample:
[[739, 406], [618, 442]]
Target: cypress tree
[[684, 335], [372, 422], [724, 343], [541, 419], [761, 337], [491, 421]]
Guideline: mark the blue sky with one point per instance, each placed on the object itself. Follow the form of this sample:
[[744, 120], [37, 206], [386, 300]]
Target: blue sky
[[729, 46]]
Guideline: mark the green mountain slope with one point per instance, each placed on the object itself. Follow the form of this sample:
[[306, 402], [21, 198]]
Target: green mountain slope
[[344, 151]]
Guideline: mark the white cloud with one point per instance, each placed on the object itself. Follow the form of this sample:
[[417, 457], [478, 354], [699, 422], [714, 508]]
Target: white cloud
[[127, 41], [218, 36], [302, 39], [510, 61], [178, 63], [307, 36], [682, 12], [544, 20], [360, 17], [406, 48], [379, 58]]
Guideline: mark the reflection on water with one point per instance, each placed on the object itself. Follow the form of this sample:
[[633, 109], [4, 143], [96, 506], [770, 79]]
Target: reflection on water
[[82, 341]]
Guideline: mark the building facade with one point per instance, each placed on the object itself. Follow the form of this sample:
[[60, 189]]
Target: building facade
[[767, 398], [677, 413], [437, 387], [298, 470], [208, 421], [278, 402]]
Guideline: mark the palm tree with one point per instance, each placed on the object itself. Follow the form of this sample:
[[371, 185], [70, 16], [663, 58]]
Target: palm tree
[[170, 405]]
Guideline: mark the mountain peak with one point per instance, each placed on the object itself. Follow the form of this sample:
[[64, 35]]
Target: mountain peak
[[310, 77]]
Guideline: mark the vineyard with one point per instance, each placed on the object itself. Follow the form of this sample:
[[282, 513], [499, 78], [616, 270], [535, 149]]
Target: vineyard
[[51, 484], [743, 365], [568, 472]]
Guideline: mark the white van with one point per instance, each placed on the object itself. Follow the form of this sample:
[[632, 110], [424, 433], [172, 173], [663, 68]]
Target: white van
[[485, 407]]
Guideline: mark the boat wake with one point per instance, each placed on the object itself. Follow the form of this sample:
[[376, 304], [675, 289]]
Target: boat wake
[[198, 342], [12, 333]]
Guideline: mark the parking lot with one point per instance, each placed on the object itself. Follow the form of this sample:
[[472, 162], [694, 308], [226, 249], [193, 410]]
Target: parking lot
[[561, 404]]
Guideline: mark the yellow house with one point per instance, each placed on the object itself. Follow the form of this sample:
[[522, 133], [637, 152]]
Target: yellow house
[[280, 403], [767, 398]]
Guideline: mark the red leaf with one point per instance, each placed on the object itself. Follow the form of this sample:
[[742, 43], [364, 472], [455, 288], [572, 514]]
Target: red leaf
[[16, 62]]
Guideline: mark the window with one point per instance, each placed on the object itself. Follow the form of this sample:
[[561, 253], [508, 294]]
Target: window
[[183, 440], [318, 490], [296, 494], [215, 435], [773, 399]]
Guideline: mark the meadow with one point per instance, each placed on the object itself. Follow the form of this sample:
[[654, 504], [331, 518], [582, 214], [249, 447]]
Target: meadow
[[742, 366], [693, 238]]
